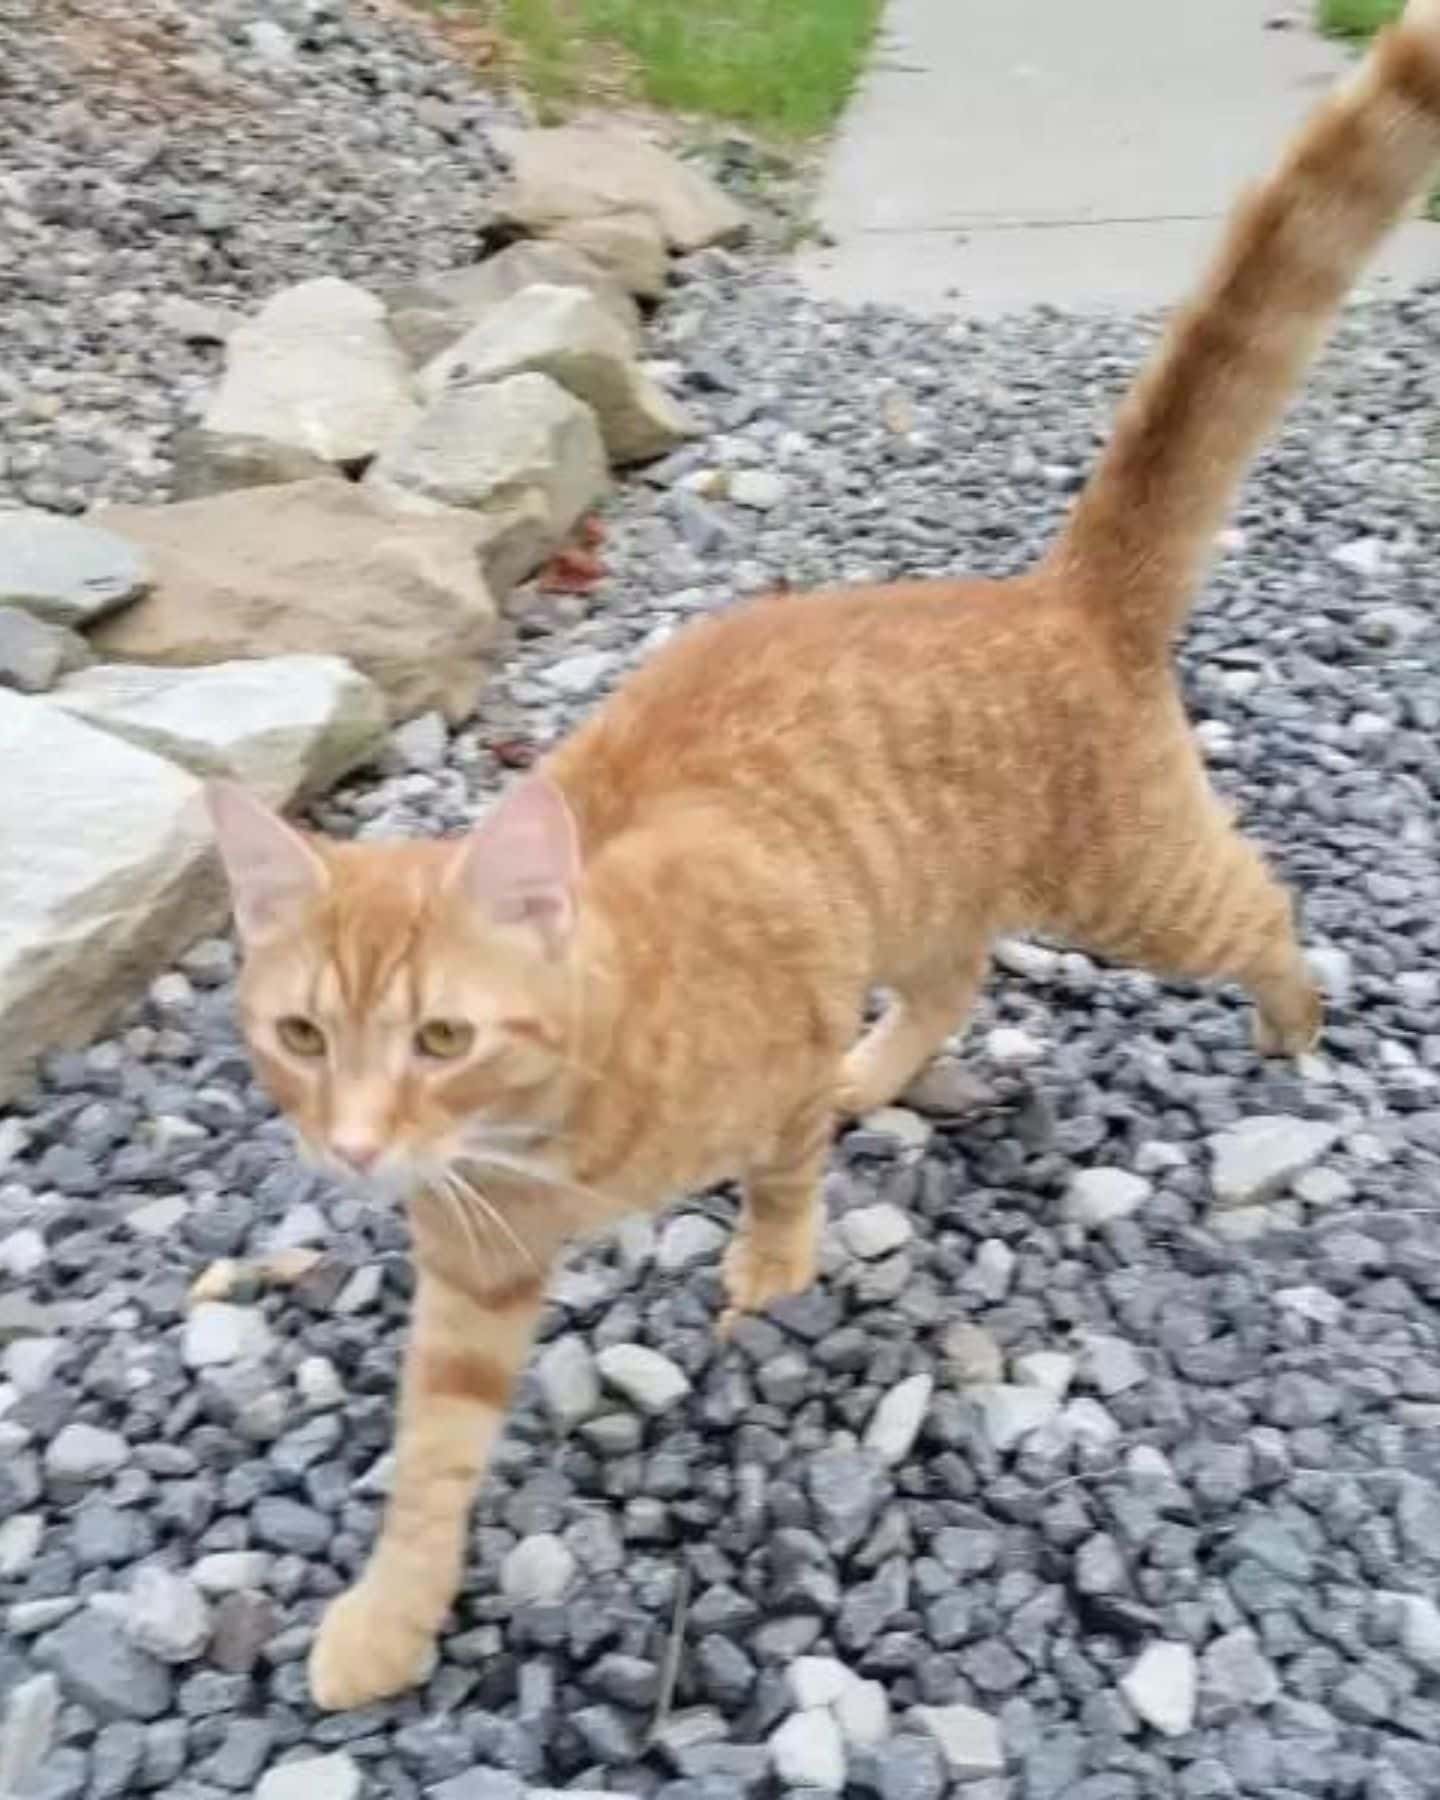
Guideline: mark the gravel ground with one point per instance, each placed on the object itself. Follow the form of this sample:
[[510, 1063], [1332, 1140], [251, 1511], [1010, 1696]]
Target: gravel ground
[[151, 151], [1189, 1579]]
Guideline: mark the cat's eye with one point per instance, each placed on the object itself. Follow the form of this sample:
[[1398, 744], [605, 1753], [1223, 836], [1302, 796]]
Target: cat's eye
[[444, 1039], [300, 1036]]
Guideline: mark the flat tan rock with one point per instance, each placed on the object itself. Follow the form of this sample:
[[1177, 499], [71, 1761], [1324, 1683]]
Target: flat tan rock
[[318, 568], [628, 245], [574, 172]]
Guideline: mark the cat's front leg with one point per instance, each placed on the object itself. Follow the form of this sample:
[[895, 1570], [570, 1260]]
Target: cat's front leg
[[466, 1349], [775, 1250]]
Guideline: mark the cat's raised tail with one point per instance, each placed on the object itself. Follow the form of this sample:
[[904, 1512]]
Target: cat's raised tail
[[1142, 530]]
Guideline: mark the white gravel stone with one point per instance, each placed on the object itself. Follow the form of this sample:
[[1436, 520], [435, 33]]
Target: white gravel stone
[[1161, 1686], [27, 1728], [895, 1423], [581, 674], [1013, 1048], [759, 489], [969, 1740], [1235, 1672], [818, 1680], [217, 1333], [1102, 1195], [1261, 1156], [1086, 1421], [1323, 1187], [1145, 1463], [1334, 969], [167, 1615], [30, 1362], [1012, 1413], [1155, 1155], [808, 1751], [83, 1453], [993, 1269], [319, 1384], [1021, 957], [1420, 1631], [862, 1711], [1312, 1303], [20, 1539], [158, 1218], [538, 1569], [302, 1228], [1365, 556], [1052, 1370], [23, 1254], [898, 1122], [687, 1241], [645, 1377], [361, 1291], [231, 1571], [334, 1777], [874, 1231], [1111, 1364], [569, 1383]]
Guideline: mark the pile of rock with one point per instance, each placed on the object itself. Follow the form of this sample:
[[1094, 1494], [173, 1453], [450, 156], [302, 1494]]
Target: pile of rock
[[373, 476]]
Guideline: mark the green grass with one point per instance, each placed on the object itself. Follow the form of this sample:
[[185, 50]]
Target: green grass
[[783, 66], [1356, 18], [1358, 21]]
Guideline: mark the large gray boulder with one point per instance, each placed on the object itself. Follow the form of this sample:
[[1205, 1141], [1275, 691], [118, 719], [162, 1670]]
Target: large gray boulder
[[67, 571], [106, 874], [522, 454], [566, 334], [316, 370], [427, 315], [285, 726]]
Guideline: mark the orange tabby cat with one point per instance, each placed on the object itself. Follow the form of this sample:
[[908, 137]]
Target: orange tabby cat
[[645, 970]]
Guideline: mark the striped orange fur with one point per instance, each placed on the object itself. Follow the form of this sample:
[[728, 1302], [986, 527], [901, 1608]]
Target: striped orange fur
[[647, 968]]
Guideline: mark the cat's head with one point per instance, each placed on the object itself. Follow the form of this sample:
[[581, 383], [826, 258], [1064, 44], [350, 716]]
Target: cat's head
[[408, 1004]]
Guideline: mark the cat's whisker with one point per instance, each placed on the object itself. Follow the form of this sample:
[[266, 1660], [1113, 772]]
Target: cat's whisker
[[489, 1211], [544, 1177], [469, 1228]]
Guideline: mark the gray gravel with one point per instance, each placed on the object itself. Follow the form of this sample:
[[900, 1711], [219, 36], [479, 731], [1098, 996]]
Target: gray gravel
[[1195, 1561], [163, 167]]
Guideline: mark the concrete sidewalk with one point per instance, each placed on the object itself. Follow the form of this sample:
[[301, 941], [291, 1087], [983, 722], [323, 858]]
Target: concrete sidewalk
[[1003, 153]]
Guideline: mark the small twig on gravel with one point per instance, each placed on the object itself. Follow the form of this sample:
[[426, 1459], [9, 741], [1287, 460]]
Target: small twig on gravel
[[674, 1650]]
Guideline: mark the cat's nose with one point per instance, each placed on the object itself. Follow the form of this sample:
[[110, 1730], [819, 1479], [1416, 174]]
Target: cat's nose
[[356, 1152]]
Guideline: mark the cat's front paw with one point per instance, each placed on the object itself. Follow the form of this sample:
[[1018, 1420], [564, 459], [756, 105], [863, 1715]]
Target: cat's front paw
[[756, 1275], [1294, 1033], [365, 1652]]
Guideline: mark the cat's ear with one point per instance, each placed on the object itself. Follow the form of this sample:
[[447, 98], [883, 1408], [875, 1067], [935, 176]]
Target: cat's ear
[[273, 873], [521, 864]]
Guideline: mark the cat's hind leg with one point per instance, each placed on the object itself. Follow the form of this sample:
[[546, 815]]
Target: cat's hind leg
[[927, 1007], [1215, 912]]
